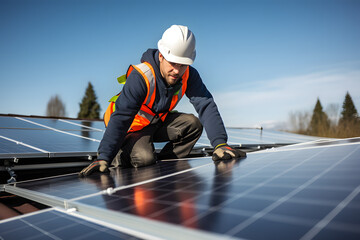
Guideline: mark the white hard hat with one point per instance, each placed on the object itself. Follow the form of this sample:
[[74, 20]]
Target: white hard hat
[[178, 45]]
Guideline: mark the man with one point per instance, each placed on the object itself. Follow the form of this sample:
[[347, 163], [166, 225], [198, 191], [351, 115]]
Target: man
[[143, 111]]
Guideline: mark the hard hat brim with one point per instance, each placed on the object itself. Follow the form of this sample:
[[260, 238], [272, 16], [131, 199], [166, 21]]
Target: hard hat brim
[[179, 60], [175, 59]]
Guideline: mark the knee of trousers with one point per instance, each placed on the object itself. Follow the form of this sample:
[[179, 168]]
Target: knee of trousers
[[142, 158], [194, 123]]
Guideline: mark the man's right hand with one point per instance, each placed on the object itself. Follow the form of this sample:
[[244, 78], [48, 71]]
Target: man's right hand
[[99, 165], [225, 152]]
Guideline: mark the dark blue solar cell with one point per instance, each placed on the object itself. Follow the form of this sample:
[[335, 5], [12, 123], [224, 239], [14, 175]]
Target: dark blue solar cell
[[218, 221], [335, 233], [334, 195], [248, 203], [272, 191], [267, 229], [303, 210]]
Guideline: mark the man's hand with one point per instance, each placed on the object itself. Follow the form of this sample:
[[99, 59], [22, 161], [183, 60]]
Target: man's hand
[[224, 152], [99, 165]]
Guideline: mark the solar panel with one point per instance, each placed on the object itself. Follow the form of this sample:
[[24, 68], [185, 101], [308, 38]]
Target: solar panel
[[307, 192], [53, 137], [9, 147]]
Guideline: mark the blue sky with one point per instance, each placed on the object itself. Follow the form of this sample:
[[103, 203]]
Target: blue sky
[[260, 59]]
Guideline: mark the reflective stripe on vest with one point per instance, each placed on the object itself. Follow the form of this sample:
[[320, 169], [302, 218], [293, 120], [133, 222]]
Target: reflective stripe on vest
[[145, 116]]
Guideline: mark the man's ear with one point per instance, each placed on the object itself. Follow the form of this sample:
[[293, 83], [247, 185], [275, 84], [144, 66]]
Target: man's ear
[[161, 57]]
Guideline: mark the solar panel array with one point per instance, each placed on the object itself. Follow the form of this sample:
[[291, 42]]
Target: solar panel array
[[303, 191], [31, 137]]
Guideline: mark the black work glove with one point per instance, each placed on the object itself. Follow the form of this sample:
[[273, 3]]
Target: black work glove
[[99, 165], [224, 152]]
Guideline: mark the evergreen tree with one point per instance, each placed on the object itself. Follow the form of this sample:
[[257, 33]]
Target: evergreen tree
[[89, 108], [319, 124], [349, 123], [55, 107], [349, 112]]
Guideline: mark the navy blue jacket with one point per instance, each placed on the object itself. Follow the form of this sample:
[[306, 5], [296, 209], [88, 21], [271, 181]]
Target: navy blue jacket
[[134, 93]]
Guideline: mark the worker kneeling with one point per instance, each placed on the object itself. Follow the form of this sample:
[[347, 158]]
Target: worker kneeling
[[143, 112]]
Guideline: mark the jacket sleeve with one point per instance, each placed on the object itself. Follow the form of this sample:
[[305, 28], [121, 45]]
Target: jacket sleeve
[[127, 105], [205, 106]]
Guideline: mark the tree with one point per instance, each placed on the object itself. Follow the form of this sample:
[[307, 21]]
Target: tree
[[89, 108], [319, 124], [349, 123], [349, 112], [55, 107]]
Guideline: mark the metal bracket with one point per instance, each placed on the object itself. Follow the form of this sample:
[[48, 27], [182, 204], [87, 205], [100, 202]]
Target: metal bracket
[[8, 166]]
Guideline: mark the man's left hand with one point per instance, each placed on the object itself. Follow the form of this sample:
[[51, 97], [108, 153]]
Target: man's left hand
[[224, 152]]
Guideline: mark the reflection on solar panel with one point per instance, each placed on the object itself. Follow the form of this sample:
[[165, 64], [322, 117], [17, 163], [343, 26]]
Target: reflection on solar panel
[[310, 191]]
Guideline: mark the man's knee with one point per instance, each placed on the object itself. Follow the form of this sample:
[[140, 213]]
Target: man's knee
[[193, 123], [142, 158]]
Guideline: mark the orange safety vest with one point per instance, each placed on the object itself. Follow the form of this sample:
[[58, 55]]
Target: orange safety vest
[[146, 115]]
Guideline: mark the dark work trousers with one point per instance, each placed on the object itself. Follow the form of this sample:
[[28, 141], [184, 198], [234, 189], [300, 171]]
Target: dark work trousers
[[180, 130]]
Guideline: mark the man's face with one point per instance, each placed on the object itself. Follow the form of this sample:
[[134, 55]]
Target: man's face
[[170, 71]]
